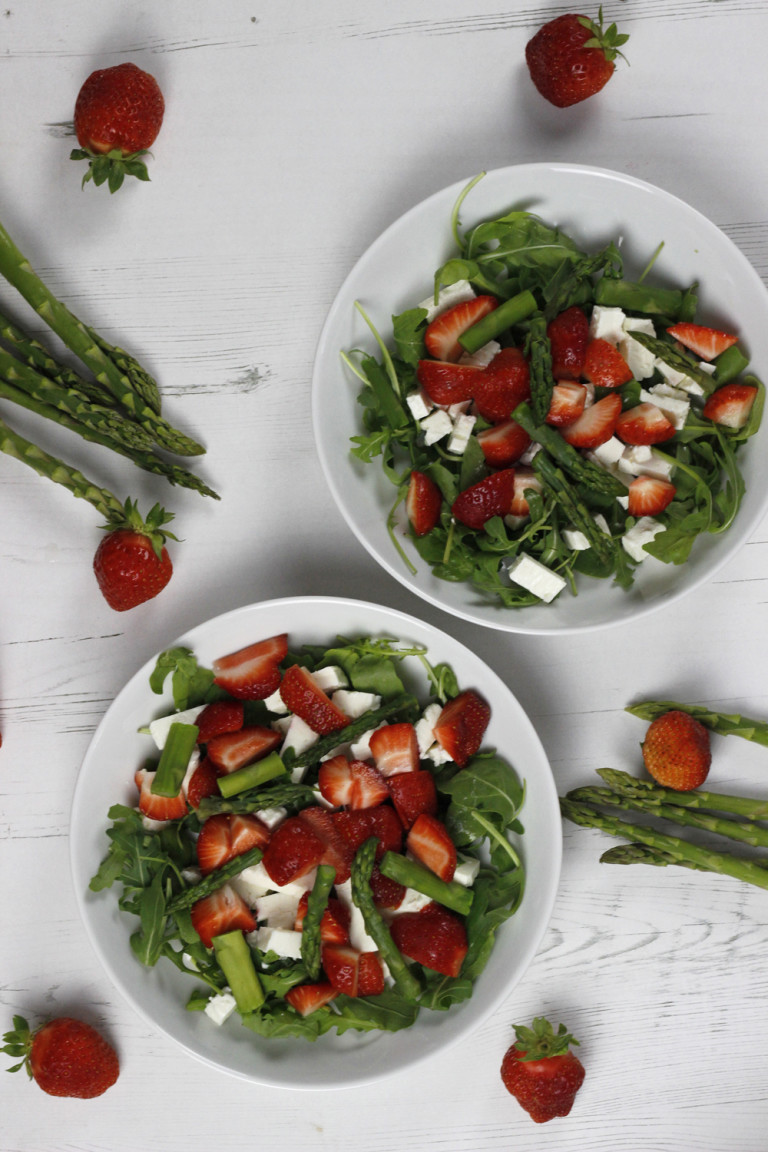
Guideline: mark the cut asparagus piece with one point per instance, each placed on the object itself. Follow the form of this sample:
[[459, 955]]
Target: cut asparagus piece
[[411, 874], [362, 867], [236, 962], [213, 881], [569, 458], [311, 942]]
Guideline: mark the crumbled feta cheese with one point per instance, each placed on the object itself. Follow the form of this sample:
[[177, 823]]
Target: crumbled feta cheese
[[437, 754], [530, 452], [458, 409], [640, 534], [278, 909], [575, 539], [360, 749], [159, 729], [437, 425], [633, 458], [354, 704], [191, 875], [640, 360], [284, 942], [451, 294], [607, 453], [535, 577], [272, 816], [330, 678], [466, 872], [602, 523], [705, 366], [358, 937], [220, 1007], [276, 704], [462, 430], [678, 379], [254, 882], [657, 467], [607, 324], [298, 737], [419, 404], [624, 501], [413, 901], [425, 727], [675, 407], [483, 356]]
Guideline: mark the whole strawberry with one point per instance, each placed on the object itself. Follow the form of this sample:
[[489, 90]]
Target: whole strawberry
[[131, 562], [676, 751], [541, 1072], [118, 114], [572, 57], [65, 1057]]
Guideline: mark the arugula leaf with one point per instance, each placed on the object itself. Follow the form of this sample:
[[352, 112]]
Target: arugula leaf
[[408, 333], [191, 683]]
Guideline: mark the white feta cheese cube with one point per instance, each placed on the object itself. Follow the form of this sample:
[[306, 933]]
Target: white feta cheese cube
[[483, 356], [254, 882], [607, 453], [330, 678], [466, 872], [358, 937], [360, 749], [575, 539], [678, 379], [607, 324], [530, 452], [220, 1007], [674, 407], [276, 704], [640, 534], [633, 458], [298, 737], [657, 467], [284, 942], [451, 294], [191, 875], [534, 577], [282, 724], [425, 727], [159, 729], [640, 360], [413, 901], [602, 523], [705, 366], [437, 425], [624, 501], [355, 704], [278, 909], [458, 409], [419, 404], [438, 755], [462, 430], [272, 816]]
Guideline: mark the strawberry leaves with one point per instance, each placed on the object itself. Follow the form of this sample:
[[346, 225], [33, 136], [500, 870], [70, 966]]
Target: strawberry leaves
[[112, 167], [610, 40]]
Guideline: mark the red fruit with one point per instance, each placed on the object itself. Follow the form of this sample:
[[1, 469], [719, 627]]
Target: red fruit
[[336, 850], [227, 835], [334, 923], [334, 779], [568, 337], [341, 963], [676, 751], [382, 822], [525, 479], [503, 385], [386, 893], [370, 975], [731, 405], [447, 383], [223, 911], [307, 998], [158, 807], [65, 1057], [118, 109], [412, 794], [461, 726], [571, 58], [596, 423], [234, 750], [423, 503], [648, 496], [218, 718], [434, 937], [430, 842], [488, 497], [369, 787], [442, 335], [644, 424], [293, 850], [302, 696], [252, 673], [605, 366], [503, 444], [707, 343], [131, 562], [394, 748], [203, 782], [541, 1072], [567, 403]]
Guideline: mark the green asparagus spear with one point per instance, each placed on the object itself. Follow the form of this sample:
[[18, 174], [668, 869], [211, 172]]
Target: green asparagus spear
[[631, 786], [236, 962], [405, 707], [579, 515], [310, 927], [642, 854], [639, 297], [569, 458], [724, 723], [375, 925], [542, 380], [411, 874], [36, 355], [293, 796], [143, 384], [676, 359], [213, 881], [511, 312]]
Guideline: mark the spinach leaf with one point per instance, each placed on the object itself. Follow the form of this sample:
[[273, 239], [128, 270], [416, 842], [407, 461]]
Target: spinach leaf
[[191, 684]]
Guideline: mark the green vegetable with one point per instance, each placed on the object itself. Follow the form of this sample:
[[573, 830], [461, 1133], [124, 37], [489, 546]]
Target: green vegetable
[[214, 880], [542, 380], [284, 794], [653, 301], [580, 469], [311, 944], [631, 786], [486, 798], [411, 874], [236, 962], [511, 312], [174, 759], [403, 707], [724, 723], [675, 358], [191, 684], [642, 854], [252, 775], [362, 867], [575, 510], [730, 364]]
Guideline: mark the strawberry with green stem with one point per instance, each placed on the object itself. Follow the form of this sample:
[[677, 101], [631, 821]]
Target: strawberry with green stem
[[118, 114], [572, 57], [65, 1057], [541, 1071], [132, 564]]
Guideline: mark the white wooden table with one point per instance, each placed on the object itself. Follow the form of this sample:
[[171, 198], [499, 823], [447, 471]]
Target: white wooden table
[[295, 132]]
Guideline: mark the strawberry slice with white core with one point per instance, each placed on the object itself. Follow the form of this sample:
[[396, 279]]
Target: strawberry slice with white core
[[223, 911], [525, 480], [441, 338], [430, 842], [293, 850], [731, 405], [596, 423], [303, 696], [644, 424], [395, 748], [567, 403], [234, 750], [252, 673], [369, 787], [227, 835], [341, 963], [218, 718], [461, 725], [334, 779], [707, 343], [307, 998], [648, 496], [336, 850], [157, 807], [503, 444], [423, 503]]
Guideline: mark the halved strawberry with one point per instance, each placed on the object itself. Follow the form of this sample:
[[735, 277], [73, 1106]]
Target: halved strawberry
[[293, 850], [525, 479], [386, 893], [441, 338], [341, 963], [648, 496], [502, 385], [412, 794], [461, 725], [605, 366], [731, 405], [567, 403], [302, 696], [489, 497], [234, 750], [307, 998], [503, 444], [381, 822], [203, 782], [334, 779], [336, 849], [223, 911], [369, 787], [334, 923], [568, 338], [157, 807], [707, 343], [252, 673], [644, 424], [448, 383], [394, 748], [227, 835], [430, 842], [596, 423], [218, 718], [434, 937], [370, 975], [423, 503]]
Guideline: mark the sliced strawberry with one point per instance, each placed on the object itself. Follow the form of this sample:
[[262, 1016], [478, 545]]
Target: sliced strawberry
[[461, 726], [227, 835], [334, 779], [218, 718], [707, 343], [605, 366], [648, 496], [386, 893], [488, 497], [223, 911], [382, 822], [336, 849], [158, 807], [234, 750], [423, 503], [369, 787], [644, 424], [252, 673], [731, 405], [370, 975], [293, 850], [503, 444], [567, 403], [394, 748], [525, 479], [334, 923], [307, 998], [430, 842], [568, 338], [434, 937], [341, 963], [441, 338], [302, 696], [412, 794], [503, 385], [448, 383], [203, 782], [596, 423]]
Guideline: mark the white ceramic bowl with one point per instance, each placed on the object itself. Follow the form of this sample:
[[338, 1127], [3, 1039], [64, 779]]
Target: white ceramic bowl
[[593, 206], [160, 993]]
